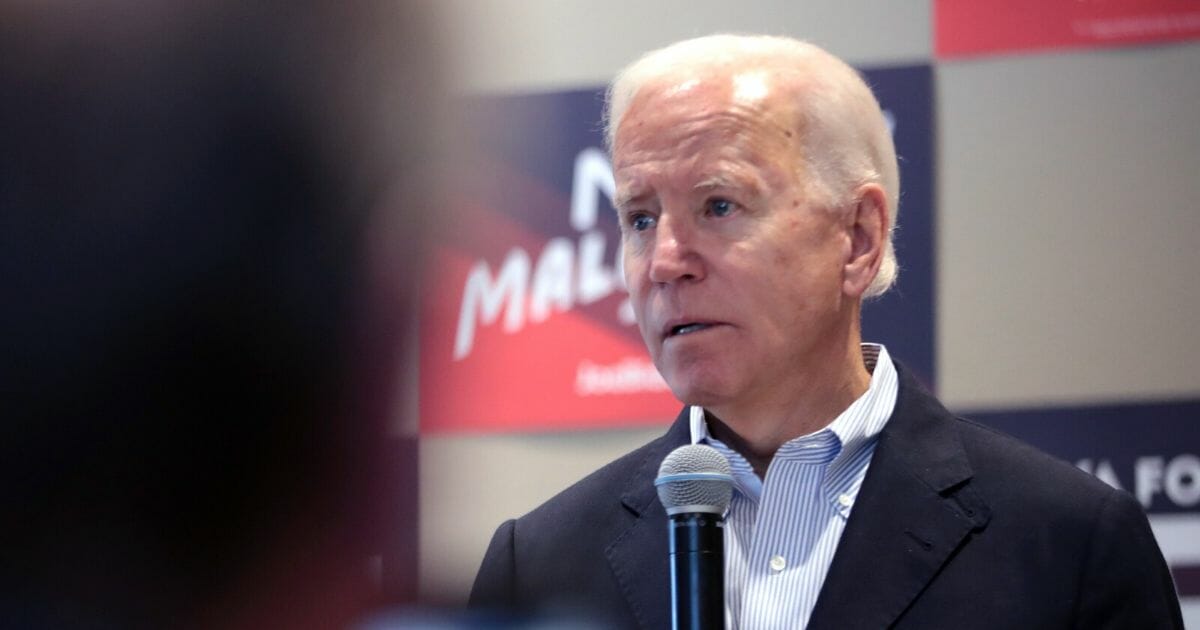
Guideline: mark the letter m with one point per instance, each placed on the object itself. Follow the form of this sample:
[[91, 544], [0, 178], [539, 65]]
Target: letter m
[[484, 297]]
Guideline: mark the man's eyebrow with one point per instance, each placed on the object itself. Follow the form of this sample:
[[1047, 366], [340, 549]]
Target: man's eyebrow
[[625, 197], [725, 180]]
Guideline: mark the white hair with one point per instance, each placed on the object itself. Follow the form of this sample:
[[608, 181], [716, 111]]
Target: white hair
[[845, 138]]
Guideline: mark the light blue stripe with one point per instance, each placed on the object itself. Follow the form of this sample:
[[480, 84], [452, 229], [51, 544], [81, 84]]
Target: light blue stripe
[[796, 512]]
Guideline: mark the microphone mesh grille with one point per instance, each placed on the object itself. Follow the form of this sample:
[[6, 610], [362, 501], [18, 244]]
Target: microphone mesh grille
[[710, 493]]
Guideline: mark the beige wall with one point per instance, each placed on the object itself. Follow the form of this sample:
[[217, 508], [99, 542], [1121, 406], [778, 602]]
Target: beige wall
[[1067, 227], [523, 45], [1066, 185]]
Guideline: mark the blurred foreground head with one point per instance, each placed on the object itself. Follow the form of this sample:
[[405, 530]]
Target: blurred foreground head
[[200, 338]]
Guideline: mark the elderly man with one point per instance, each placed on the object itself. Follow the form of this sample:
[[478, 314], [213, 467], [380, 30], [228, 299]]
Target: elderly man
[[757, 190]]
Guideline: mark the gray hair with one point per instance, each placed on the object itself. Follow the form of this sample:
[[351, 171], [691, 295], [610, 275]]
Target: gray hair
[[846, 140]]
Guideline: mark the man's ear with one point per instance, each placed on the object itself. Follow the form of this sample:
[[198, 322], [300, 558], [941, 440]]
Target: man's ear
[[867, 222]]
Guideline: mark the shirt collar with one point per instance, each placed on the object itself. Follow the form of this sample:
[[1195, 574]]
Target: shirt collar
[[855, 429], [865, 418], [883, 378]]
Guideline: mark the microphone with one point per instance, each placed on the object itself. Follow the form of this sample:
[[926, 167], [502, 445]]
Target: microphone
[[695, 486]]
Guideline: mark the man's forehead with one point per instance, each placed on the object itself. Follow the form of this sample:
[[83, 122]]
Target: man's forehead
[[762, 93], [752, 87], [745, 86], [670, 116]]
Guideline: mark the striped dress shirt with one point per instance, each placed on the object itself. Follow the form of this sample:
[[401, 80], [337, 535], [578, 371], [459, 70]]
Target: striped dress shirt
[[781, 531]]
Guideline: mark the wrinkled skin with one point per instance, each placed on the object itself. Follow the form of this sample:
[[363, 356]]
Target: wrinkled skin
[[720, 232]]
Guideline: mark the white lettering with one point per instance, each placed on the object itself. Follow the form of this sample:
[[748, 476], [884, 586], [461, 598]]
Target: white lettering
[[563, 277], [593, 175], [1148, 476], [1183, 480], [552, 280], [480, 293], [630, 375], [596, 281], [1104, 472]]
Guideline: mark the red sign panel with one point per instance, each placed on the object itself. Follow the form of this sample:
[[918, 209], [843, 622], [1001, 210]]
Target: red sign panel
[[525, 323], [964, 28]]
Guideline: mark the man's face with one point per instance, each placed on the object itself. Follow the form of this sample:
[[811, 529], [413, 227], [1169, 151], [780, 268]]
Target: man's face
[[734, 273]]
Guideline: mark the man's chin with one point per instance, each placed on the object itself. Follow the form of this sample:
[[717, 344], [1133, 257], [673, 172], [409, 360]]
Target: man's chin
[[695, 392]]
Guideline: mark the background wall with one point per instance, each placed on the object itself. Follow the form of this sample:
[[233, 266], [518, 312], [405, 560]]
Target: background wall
[[1065, 227]]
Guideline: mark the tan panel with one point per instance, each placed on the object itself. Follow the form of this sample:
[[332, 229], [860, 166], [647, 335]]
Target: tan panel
[[511, 45], [470, 484], [1068, 228]]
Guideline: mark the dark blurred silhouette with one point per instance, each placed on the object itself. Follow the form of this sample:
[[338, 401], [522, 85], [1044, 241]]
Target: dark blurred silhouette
[[200, 342]]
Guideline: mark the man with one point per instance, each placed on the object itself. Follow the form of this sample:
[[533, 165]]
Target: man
[[757, 190]]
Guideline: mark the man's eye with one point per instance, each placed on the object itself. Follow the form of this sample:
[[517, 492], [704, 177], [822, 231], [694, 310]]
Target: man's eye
[[721, 207], [641, 222]]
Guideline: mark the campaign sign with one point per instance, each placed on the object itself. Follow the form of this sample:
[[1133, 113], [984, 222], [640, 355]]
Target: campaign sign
[[1150, 450], [525, 323], [964, 28]]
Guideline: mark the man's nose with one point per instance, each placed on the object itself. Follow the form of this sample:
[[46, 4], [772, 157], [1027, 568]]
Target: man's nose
[[674, 256]]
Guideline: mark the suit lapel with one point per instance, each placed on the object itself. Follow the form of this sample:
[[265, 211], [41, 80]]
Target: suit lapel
[[915, 508], [638, 555]]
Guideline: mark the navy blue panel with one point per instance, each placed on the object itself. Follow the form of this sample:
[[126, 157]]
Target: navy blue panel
[[903, 319], [1151, 449], [539, 135]]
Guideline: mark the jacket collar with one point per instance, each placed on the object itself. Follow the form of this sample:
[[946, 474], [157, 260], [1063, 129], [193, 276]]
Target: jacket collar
[[916, 507], [638, 556]]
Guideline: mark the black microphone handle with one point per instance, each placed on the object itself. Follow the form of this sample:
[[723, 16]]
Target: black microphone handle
[[697, 571]]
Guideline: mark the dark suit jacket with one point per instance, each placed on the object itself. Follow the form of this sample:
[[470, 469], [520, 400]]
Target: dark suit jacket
[[956, 526]]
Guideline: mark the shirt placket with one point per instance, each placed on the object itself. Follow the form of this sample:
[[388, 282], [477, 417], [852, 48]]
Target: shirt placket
[[773, 594]]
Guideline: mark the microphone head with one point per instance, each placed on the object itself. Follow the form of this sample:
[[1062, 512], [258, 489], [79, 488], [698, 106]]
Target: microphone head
[[695, 478]]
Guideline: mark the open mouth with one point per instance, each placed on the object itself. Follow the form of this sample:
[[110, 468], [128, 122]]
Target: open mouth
[[684, 329]]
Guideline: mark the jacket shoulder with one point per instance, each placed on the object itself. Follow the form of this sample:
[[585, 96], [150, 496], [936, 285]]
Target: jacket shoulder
[[556, 557], [628, 479], [1002, 468], [1011, 467]]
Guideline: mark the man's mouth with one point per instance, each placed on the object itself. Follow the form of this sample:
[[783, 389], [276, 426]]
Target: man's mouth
[[684, 329]]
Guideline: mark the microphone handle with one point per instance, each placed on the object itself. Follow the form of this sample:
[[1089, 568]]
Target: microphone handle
[[697, 571]]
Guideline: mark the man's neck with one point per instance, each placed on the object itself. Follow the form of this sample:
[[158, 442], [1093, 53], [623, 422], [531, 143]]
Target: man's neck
[[804, 405]]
